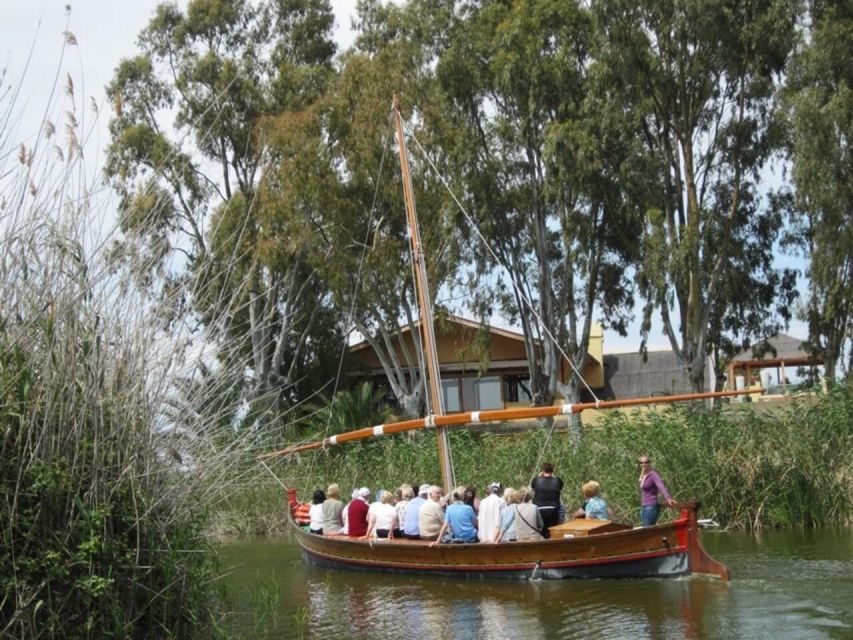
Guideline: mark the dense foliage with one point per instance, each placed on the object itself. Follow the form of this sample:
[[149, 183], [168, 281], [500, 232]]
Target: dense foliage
[[99, 536], [819, 108], [93, 539]]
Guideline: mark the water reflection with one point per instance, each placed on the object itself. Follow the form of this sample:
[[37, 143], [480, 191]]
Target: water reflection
[[785, 586], [498, 618]]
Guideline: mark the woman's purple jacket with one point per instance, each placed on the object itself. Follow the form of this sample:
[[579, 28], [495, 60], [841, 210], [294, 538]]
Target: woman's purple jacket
[[651, 485]]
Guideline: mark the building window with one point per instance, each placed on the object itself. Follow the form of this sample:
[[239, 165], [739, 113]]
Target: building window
[[480, 394], [450, 393], [517, 389], [489, 393]]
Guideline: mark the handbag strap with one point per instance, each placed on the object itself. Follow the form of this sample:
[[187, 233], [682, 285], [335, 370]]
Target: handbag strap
[[537, 529]]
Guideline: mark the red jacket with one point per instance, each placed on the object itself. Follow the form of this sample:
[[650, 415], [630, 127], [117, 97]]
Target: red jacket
[[357, 518]]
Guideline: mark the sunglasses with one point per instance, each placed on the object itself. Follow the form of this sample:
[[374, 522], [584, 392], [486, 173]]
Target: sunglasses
[[644, 462]]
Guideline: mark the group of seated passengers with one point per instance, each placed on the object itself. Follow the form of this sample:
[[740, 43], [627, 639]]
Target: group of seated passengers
[[504, 515]]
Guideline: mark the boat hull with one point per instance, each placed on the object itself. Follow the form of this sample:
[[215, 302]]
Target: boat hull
[[666, 550], [664, 566]]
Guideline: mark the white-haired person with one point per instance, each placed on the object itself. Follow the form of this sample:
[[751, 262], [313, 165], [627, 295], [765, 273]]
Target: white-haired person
[[382, 518], [489, 516], [431, 515], [402, 498], [411, 526], [506, 531], [357, 514]]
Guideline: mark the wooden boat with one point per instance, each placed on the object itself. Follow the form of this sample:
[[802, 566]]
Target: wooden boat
[[576, 549], [597, 549]]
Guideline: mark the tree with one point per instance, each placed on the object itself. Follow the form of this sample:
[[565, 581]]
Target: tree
[[702, 74], [541, 156], [746, 320], [339, 160], [819, 106], [186, 157]]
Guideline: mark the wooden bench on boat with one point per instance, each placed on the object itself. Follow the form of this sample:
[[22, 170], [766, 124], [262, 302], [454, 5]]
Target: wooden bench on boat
[[583, 527]]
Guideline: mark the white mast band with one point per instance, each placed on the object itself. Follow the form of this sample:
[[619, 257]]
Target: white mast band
[[566, 409], [379, 430], [475, 416], [429, 421], [333, 440]]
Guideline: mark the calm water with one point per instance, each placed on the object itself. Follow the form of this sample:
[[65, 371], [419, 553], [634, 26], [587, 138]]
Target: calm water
[[785, 585]]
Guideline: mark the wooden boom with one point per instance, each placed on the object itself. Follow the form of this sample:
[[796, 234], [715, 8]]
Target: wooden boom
[[496, 415]]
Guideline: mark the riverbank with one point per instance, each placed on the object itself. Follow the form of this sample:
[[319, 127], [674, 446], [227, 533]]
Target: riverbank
[[752, 469]]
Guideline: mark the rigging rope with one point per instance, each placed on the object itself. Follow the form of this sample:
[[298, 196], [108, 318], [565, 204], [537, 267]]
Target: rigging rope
[[419, 351], [357, 285], [497, 259], [542, 450]]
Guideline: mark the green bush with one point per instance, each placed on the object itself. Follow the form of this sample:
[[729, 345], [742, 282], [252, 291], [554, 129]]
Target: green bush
[[99, 535]]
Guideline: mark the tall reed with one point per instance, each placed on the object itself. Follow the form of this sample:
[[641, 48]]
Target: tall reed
[[99, 536]]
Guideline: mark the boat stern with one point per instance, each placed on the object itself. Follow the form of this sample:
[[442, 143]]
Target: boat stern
[[699, 560]]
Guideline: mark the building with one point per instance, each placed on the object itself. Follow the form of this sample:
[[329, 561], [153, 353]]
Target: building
[[486, 368]]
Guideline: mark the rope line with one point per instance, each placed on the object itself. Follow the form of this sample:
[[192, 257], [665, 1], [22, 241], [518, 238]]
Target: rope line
[[542, 450]]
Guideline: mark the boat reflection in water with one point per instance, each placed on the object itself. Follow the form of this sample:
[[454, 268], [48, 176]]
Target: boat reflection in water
[[435, 608]]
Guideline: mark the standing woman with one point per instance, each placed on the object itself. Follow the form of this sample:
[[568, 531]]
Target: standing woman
[[650, 486]]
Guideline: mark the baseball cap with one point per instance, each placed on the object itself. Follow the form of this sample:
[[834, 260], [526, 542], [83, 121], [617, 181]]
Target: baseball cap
[[495, 486], [423, 490], [364, 492]]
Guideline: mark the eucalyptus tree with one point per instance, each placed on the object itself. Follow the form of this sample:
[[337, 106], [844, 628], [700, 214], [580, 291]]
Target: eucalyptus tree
[[339, 159], [186, 156], [702, 74], [819, 102], [760, 297], [543, 152]]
